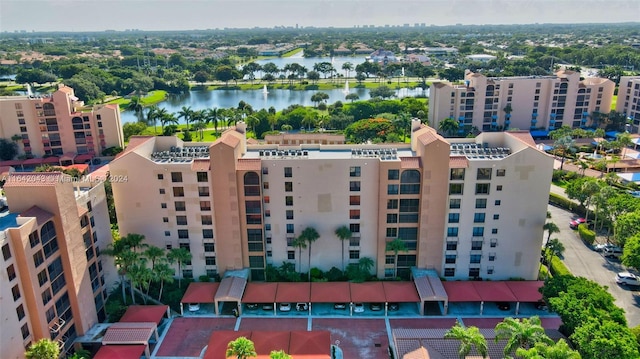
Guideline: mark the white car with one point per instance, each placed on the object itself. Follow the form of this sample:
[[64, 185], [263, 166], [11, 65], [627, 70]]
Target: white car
[[602, 247], [194, 307], [301, 307], [626, 278], [358, 308], [285, 307]]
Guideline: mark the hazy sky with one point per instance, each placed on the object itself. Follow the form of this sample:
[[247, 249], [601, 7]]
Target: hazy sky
[[97, 15]]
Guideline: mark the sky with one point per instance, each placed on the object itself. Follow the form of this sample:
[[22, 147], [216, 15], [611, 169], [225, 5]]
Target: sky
[[99, 15]]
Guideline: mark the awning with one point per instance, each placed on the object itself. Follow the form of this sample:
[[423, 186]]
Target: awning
[[494, 292], [611, 134], [310, 343], [35, 161], [260, 293], [368, 292], [330, 292], [130, 333], [200, 292], [231, 289], [400, 292], [461, 292], [430, 289], [68, 157], [83, 158], [539, 133], [50, 160], [144, 313], [218, 342], [120, 352], [299, 292], [526, 291]]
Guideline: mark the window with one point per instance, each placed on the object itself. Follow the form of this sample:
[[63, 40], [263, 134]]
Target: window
[[265, 185], [288, 200], [393, 189], [497, 202], [49, 239], [288, 172], [354, 186], [181, 220], [205, 205], [288, 186], [253, 212], [180, 206], [452, 246], [455, 188], [392, 218], [454, 217], [499, 187], [354, 242], [354, 227], [392, 232], [56, 275], [450, 259], [11, 272], [500, 172], [42, 277], [160, 176], [289, 214], [183, 233], [449, 272], [209, 247], [354, 214], [478, 218], [492, 257], [20, 312], [167, 233], [207, 220], [392, 204], [38, 258], [496, 216], [454, 203], [474, 272], [187, 273], [203, 191], [457, 174], [481, 203], [186, 246], [354, 171], [452, 231], [291, 255], [494, 230], [354, 200], [202, 176], [476, 245], [178, 191], [409, 236], [475, 258], [161, 191], [163, 205], [409, 205], [34, 239], [16, 292], [25, 331], [410, 182], [493, 242], [484, 174], [265, 170], [482, 188], [393, 174], [354, 254], [290, 228], [209, 261], [490, 270], [478, 231], [389, 259], [176, 176], [254, 237], [251, 184]]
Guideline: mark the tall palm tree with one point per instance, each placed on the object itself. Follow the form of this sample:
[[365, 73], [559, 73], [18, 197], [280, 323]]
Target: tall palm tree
[[343, 233], [135, 105], [152, 116], [179, 256], [164, 274], [299, 243], [396, 245], [347, 67], [166, 119], [558, 350], [140, 276], [365, 264], [241, 348], [448, 126], [310, 235], [403, 120], [212, 116], [469, 337], [553, 248], [521, 333], [187, 114], [551, 229], [279, 354], [154, 253], [565, 144]]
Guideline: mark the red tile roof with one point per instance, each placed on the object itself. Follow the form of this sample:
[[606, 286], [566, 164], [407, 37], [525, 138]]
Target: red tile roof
[[400, 292], [409, 162], [260, 293], [523, 136], [458, 162], [129, 333], [144, 313], [368, 292], [249, 165], [200, 292], [120, 352], [200, 165], [299, 292], [330, 292], [40, 214]]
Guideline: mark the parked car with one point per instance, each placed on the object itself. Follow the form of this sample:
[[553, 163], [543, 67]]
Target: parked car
[[252, 306], [358, 308], [267, 306], [602, 247], [541, 305], [194, 307], [635, 194], [375, 307], [503, 305], [574, 223], [301, 307], [340, 306], [393, 307], [285, 307], [613, 252], [626, 278]]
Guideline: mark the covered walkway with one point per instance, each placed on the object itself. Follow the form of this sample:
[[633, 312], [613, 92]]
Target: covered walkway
[[231, 289]]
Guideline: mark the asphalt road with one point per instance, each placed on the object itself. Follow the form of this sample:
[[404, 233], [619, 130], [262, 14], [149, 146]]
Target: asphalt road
[[584, 262]]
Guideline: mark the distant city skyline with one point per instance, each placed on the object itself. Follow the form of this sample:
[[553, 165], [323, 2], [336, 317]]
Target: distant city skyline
[[153, 15]]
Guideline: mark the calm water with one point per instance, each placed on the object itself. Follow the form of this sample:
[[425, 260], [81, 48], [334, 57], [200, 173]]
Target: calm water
[[309, 62]]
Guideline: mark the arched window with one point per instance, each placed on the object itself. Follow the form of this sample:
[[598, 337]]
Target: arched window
[[410, 182], [251, 184], [77, 123], [49, 109], [49, 239]]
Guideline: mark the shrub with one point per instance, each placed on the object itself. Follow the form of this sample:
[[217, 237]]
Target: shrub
[[544, 273], [558, 268], [204, 278], [317, 273], [587, 235]]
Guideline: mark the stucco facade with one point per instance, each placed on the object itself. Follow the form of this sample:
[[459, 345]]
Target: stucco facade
[[628, 102]]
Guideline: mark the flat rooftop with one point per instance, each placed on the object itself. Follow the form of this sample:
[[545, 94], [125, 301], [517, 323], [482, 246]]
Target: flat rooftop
[[478, 151], [8, 220], [384, 154]]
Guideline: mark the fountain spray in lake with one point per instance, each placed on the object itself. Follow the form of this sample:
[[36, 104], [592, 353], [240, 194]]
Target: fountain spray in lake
[[346, 88], [264, 90]]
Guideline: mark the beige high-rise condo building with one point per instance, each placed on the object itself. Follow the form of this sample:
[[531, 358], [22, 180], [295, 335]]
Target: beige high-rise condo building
[[468, 208], [58, 124], [53, 280], [535, 103], [629, 100]]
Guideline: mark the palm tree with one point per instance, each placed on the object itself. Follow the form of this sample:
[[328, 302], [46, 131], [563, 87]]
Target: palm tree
[[124, 258], [241, 348], [152, 116], [136, 106], [469, 338], [164, 274], [565, 144], [343, 233], [140, 276], [521, 333], [187, 113], [365, 264], [179, 256], [43, 349], [448, 126], [624, 139], [279, 354], [212, 116], [310, 235], [154, 253], [167, 118], [347, 67], [299, 243], [551, 228], [396, 245], [553, 248], [558, 350], [403, 120]]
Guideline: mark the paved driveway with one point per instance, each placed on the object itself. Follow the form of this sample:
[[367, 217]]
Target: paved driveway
[[584, 262]]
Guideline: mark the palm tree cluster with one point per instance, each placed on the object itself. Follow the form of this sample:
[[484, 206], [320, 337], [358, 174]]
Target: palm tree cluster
[[140, 264]]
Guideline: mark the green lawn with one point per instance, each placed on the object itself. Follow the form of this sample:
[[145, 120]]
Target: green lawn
[[151, 98], [614, 101], [292, 52]]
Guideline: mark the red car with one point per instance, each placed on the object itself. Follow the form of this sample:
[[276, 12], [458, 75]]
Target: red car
[[574, 223]]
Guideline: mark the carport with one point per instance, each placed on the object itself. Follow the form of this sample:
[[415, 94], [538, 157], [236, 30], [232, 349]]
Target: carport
[[230, 290], [458, 292], [298, 292], [131, 333], [429, 289], [261, 293], [120, 352], [525, 291], [330, 292], [493, 292], [199, 292], [367, 292], [145, 313]]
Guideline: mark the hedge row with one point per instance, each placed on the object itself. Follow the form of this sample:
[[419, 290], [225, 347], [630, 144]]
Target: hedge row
[[587, 235], [558, 268], [567, 204]]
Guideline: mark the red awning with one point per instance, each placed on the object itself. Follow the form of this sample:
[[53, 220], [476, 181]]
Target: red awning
[[200, 292], [494, 292], [83, 158], [310, 343], [265, 342], [260, 293], [368, 292], [461, 292], [35, 161], [526, 291], [330, 292], [400, 292], [144, 313], [51, 160], [217, 347], [129, 333], [11, 163], [120, 352], [293, 292]]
